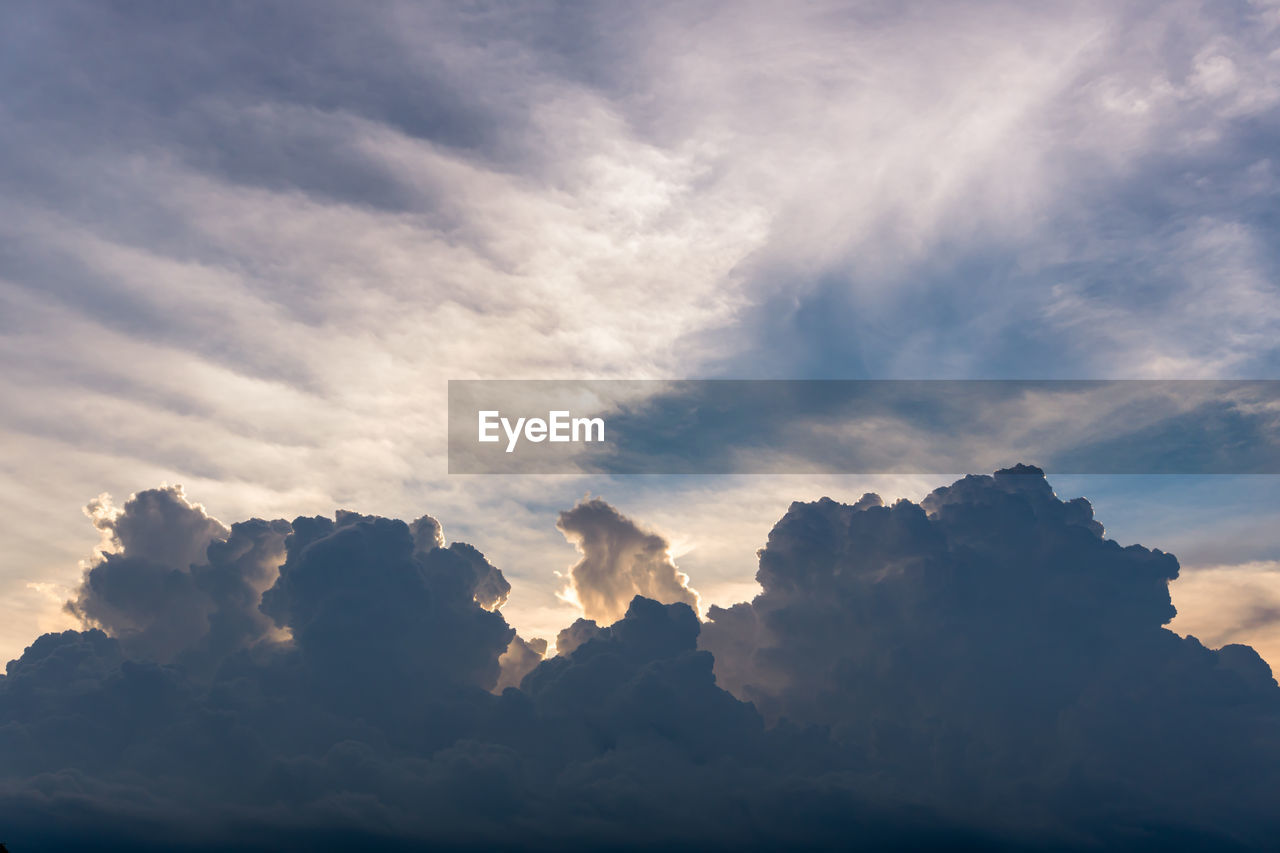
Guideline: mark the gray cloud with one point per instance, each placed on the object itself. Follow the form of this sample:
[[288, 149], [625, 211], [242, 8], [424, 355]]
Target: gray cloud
[[980, 670], [146, 590], [576, 634], [357, 585], [157, 524], [994, 620]]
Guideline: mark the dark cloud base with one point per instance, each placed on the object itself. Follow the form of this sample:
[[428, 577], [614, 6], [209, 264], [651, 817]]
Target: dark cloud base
[[983, 670]]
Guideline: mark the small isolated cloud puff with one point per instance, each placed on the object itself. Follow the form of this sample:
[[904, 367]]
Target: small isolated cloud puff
[[620, 560]]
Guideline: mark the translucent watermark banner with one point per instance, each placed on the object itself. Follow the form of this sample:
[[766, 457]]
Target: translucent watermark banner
[[863, 426]]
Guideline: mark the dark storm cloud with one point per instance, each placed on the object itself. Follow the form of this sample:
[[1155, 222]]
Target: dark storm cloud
[[575, 635], [981, 670], [357, 589], [989, 649]]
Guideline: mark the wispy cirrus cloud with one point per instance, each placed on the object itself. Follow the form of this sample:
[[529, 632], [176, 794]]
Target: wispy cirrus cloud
[[243, 251]]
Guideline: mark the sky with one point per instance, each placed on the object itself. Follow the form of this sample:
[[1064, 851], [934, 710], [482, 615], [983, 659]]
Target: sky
[[244, 247]]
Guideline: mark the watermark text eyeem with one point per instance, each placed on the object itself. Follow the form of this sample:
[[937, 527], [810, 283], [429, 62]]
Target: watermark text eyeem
[[559, 426]]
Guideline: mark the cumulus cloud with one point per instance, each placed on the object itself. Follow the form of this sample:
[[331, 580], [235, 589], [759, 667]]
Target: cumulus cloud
[[147, 589], [160, 525], [490, 588], [620, 560], [357, 586], [521, 658], [576, 634], [181, 586], [994, 647], [980, 670]]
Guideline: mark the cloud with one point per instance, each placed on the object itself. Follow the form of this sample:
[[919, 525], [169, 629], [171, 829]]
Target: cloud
[[521, 658], [224, 236], [225, 233], [490, 589], [157, 524], [988, 646], [620, 560], [864, 426], [980, 669], [576, 634], [358, 586], [147, 591]]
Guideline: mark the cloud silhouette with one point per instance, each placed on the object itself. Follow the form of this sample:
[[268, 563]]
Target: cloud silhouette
[[991, 650], [360, 588], [982, 670]]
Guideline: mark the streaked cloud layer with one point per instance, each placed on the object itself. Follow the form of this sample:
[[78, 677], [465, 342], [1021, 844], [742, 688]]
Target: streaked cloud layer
[[243, 248]]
